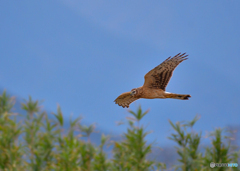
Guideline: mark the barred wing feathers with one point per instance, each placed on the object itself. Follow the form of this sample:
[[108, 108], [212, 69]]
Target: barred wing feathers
[[159, 77], [125, 99]]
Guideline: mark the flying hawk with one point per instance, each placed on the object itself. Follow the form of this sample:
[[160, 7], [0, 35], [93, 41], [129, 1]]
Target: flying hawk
[[155, 83]]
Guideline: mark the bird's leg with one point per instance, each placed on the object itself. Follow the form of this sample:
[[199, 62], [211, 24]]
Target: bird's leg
[[177, 96]]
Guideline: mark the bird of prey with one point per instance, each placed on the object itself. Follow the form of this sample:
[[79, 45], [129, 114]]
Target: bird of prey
[[155, 83]]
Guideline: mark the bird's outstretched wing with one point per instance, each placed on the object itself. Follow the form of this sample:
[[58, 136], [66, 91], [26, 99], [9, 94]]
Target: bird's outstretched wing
[[159, 77], [125, 99]]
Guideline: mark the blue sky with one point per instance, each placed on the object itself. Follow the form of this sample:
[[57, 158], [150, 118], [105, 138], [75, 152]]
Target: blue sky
[[83, 54]]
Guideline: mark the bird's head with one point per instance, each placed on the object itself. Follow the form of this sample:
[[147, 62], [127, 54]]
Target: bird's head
[[134, 92]]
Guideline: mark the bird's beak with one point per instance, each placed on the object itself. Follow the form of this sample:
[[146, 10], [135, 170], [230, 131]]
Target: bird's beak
[[131, 93]]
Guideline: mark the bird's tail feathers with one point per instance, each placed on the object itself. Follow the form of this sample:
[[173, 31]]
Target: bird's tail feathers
[[177, 96]]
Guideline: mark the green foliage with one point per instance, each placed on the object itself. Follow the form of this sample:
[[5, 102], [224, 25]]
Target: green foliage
[[38, 141], [188, 145], [191, 158], [131, 154]]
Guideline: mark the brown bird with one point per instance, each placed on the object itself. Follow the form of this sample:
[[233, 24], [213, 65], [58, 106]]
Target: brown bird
[[155, 83]]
